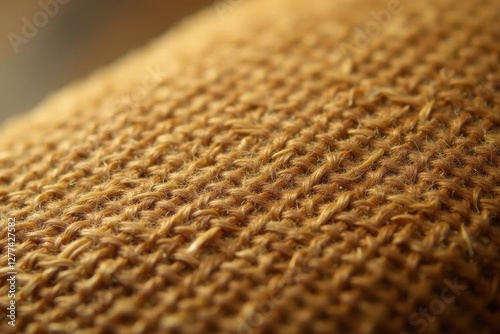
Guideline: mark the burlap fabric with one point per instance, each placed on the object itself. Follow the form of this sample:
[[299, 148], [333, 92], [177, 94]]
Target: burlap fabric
[[275, 166]]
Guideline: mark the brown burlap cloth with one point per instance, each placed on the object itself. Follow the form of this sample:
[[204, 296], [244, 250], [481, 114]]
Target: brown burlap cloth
[[275, 166]]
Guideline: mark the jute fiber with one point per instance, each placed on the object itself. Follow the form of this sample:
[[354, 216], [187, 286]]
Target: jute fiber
[[275, 166]]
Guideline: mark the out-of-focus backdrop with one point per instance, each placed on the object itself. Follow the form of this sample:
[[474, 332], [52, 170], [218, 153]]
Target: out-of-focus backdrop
[[46, 44]]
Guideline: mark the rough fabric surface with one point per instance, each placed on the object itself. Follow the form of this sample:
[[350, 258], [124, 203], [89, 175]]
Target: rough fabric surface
[[278, 171]]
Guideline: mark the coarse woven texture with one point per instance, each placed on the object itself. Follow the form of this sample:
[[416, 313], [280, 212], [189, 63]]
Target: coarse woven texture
[[246, 174]]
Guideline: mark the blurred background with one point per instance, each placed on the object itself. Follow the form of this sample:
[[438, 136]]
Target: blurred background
[[76, 38]]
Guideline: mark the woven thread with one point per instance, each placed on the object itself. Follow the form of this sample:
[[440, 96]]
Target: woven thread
[[267, 181]]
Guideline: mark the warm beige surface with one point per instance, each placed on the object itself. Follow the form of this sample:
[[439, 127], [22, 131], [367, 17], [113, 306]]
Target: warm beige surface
[[84, 34], [245, 175]]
